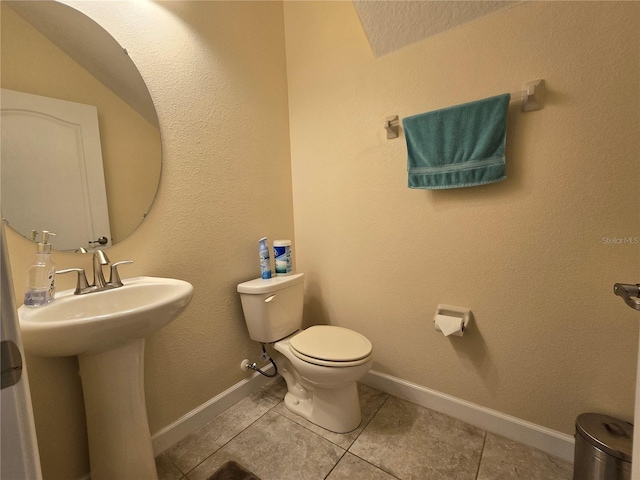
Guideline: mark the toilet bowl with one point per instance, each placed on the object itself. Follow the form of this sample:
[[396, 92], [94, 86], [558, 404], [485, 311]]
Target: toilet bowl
[[324, 394], [320, 364]]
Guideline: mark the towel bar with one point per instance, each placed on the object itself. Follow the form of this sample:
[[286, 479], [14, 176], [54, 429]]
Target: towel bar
[[532, 96]]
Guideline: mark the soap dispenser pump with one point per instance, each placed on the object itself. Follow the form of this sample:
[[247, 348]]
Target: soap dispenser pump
[[42, 273]]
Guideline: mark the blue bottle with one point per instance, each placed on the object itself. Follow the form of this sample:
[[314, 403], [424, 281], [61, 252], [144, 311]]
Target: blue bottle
[[265, 264]]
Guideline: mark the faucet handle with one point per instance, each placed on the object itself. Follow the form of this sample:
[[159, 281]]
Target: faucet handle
[[82, 283], [114, 278]]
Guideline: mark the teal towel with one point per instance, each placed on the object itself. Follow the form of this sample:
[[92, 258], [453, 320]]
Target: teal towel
[[460, 146]]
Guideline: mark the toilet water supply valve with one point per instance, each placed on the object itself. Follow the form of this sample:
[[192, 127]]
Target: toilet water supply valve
[[246, 365]]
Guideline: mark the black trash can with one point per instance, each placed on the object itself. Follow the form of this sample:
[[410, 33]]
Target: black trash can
[[603, 448]]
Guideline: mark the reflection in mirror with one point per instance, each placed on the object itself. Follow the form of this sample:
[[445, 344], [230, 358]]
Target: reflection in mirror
[[53, 52], [47, 143]]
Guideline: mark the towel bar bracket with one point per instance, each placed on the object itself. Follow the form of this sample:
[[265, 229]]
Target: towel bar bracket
[[532, 95], [392, 126]]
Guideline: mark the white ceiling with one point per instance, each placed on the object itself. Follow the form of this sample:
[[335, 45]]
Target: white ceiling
[[393, 24]]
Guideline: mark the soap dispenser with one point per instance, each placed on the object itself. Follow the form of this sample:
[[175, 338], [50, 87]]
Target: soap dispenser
[[42, 273]]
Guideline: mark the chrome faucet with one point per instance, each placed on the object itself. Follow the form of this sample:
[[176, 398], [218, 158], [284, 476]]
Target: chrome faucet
[[99, 283]]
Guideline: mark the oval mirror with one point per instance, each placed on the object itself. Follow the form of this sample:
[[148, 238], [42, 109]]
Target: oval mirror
[[81, 147]]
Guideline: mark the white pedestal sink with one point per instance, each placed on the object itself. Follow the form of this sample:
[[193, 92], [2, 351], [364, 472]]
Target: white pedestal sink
[[106, 330]]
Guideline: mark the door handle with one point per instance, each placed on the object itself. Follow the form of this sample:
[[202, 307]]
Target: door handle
[[101, 241]]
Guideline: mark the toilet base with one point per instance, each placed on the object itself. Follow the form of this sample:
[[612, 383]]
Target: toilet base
[[334, 409]]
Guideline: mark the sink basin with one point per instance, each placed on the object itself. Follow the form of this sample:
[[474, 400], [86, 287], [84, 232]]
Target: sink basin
[[95, 322]]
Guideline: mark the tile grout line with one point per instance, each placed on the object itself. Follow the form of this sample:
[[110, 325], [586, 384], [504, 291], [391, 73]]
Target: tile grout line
[[335, 465], [367, 424], [374, 466], [372, 414], [293, 422], [345, 450], [273, 408], [328, 440], [365, 427], [484, 442], [230, 439]]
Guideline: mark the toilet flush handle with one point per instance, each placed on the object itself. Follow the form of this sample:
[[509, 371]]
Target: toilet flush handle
[[269, 298]]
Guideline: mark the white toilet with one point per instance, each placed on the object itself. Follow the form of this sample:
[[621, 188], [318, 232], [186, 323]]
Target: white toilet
[[321, 364]]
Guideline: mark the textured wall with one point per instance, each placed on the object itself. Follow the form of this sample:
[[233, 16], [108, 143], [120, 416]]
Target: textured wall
[[529, 256], [216, 72]]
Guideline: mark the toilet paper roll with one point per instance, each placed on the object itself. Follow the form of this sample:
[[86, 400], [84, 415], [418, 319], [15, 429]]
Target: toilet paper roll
[[449, 325]]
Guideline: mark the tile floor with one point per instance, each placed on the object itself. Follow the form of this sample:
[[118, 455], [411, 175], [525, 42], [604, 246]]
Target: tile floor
[[396, 440]]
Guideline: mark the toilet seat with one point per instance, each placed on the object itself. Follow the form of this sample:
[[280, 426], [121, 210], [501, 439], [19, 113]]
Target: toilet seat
[[331, 346]]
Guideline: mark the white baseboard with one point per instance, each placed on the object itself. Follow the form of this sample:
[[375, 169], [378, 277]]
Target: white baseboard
[[549, 441], [199, 416], [527, 433]]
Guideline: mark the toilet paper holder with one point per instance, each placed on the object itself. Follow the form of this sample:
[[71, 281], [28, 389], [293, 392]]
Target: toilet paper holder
[[462, 313]]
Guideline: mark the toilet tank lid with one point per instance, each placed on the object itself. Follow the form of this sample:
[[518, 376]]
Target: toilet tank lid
[[260, 286]]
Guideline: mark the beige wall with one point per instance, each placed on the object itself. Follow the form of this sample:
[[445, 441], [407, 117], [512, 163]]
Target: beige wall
[[216, 72], [131, 146], [527, 255]]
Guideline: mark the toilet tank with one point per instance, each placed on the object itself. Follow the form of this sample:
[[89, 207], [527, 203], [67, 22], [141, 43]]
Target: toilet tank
[[272, 307]]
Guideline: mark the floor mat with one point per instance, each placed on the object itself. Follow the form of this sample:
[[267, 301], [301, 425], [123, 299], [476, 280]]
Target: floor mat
[[232, 471]]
